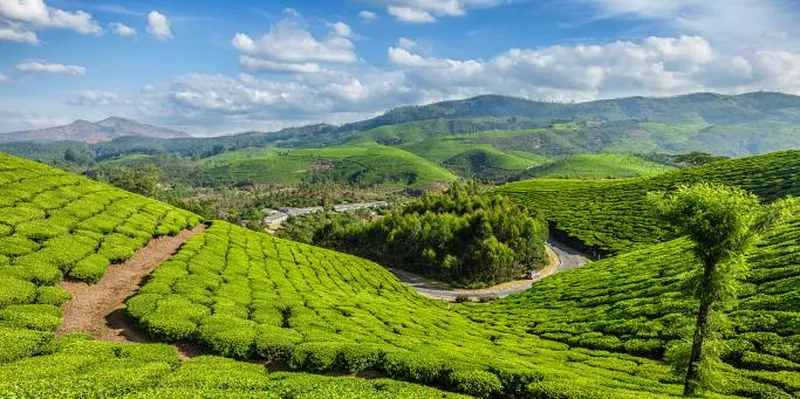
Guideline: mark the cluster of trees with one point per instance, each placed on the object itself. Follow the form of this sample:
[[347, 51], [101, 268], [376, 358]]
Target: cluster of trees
[[460, 236]]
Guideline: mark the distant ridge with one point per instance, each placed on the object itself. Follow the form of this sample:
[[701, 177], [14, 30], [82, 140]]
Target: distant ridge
[[88, 132]]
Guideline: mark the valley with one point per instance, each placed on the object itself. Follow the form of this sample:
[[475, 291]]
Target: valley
[[142, 267]]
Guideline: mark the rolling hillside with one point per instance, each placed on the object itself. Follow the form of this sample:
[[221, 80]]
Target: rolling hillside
[[363, 164], [595, 166], [635, 303], [246, 295], [610, 216], [741, 125]]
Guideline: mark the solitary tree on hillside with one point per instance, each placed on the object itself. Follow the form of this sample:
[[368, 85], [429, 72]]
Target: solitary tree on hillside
[[723, 223]]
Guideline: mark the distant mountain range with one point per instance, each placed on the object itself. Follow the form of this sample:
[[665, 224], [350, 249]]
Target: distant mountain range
[[731, 125], [88, 132]]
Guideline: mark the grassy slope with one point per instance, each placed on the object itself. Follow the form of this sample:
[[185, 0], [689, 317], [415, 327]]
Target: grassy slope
[[320, 305], [55, 224], [634, 303], [597, 166], [370, 162], [248, 294], [612, 216]]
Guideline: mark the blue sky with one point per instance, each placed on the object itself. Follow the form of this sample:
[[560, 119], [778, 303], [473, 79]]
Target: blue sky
[[214, 67]]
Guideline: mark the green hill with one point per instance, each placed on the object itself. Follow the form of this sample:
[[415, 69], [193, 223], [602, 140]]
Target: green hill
[[366, 164], [635, 303], [611, 215], [596, 332], [596, 166], [248, 295], [740, 125]]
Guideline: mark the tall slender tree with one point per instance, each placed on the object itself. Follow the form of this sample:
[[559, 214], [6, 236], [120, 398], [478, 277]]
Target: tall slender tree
[[723, 223]]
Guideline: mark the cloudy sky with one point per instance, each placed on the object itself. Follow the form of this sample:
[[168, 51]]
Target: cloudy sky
[[212, 67]]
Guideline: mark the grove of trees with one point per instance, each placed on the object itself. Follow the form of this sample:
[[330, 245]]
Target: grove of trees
[[460, 236]]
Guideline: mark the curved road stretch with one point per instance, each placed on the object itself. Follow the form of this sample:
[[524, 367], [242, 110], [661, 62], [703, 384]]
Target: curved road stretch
[[566, 258]]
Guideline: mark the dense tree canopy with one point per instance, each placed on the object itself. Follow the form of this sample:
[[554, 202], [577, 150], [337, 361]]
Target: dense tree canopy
[[460, 236]]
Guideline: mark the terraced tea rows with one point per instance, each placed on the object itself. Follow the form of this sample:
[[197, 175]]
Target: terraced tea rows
[[55, 224], [249, 295], [634, 303], [81, 368], [612, 216]]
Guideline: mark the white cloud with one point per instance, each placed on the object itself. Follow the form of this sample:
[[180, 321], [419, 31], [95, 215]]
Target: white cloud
[[252, 64], [19, 19], [342, 29], [654, 66], [158, 26], [99, 98], [343, 92], [121, 29], [411, 15], [406, 43], [41, 66], [403, 58], [5, 78], [288, 47], [368, 15], [426, 11], [12, 34], [736, 24]]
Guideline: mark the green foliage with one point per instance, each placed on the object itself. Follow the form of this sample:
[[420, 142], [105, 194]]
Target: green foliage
[[460, 236], [613, 216], [243, 293], [143, 180], [90, 269], [15, 291], [595, 166], [49, 295], [723, 224], [16, 344]]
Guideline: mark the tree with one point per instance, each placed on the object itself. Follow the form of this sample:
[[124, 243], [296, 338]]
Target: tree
[[723, 223]]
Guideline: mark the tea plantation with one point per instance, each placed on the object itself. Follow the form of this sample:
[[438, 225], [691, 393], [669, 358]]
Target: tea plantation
[[249, 295], [634, 303], [596, 332], [611, 216]]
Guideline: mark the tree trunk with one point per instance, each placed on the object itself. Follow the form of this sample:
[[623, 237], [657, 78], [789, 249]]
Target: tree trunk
[[693, 372], [690, 383]]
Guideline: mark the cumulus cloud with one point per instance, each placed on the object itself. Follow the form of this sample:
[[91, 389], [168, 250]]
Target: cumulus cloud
[[158, 26], [41, 66], [98, 98], [19, 19], [342, 29], [654, 66], [121, 29], [402, 57], [426, 11], [368, 15], [342, 92], [14, 34], [288, 47], [252, 64], [411, 15], [5, 78], [406, 43]]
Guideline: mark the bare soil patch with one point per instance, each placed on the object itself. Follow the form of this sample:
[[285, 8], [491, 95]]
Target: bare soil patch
[[99, 309]]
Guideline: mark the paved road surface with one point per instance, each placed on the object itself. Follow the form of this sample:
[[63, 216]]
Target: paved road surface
[[566, 258]]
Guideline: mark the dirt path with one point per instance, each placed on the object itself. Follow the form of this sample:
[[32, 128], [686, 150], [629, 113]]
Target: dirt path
[[99, 309], [562, 258]]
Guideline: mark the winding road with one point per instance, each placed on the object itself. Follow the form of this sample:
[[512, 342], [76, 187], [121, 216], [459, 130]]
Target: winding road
[[563, 258]]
